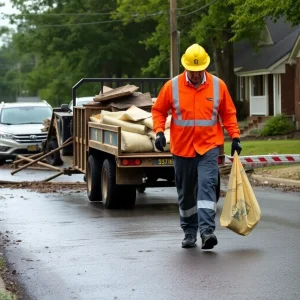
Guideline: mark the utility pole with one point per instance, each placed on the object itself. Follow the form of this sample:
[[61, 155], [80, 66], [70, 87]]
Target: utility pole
[[174, 60]]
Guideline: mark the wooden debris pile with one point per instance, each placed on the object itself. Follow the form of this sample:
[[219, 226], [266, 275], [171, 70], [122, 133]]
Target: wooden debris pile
[[122, 98]]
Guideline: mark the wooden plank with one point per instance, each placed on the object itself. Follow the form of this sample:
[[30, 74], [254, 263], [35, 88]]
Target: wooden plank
[[40, 163], [56, 131], [80, 137], [66, 143], [149, 155], [105, 89], [97, 105], [105, 148], [119, 140], [15, 162], [116, 93], [104, 126], [52, 177], [138, 100]]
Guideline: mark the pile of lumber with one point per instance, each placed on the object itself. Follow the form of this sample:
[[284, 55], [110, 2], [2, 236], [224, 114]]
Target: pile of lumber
[[130, 110], [122, 98]]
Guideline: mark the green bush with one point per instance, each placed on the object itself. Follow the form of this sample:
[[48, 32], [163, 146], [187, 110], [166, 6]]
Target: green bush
[[278, 125]]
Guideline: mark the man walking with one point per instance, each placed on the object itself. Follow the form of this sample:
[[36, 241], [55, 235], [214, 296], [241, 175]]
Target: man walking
[[197, 100]]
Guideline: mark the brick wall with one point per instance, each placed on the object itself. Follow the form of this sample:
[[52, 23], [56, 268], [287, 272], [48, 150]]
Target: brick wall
[[288, 90], [297, 93]]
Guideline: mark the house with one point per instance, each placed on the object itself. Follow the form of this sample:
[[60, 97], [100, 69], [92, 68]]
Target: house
[[268, 80]]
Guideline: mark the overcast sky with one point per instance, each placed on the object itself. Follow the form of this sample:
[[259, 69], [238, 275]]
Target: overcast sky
[[7, 9]]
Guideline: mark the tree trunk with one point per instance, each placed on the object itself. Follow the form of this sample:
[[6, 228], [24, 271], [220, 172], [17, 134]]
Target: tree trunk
[[228, 58], [218, 59]]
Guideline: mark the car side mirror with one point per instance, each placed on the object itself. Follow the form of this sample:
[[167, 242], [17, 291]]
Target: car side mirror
[[64, 107]]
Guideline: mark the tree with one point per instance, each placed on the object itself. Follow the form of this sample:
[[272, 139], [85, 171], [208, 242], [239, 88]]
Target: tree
[[249, 16], [213, 29], [74, 40]]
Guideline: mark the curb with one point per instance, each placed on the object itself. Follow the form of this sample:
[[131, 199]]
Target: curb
[[272, 180]]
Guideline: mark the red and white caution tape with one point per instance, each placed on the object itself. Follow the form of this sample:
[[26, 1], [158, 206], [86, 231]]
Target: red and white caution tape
[[259, 161]]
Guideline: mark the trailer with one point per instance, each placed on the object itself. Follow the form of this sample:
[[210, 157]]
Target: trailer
[[113, 176]]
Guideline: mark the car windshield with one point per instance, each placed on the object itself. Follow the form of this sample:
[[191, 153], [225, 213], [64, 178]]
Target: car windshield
[[25, 115]]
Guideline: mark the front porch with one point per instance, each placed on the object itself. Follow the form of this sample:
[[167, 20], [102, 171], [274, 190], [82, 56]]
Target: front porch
[[262, 92]]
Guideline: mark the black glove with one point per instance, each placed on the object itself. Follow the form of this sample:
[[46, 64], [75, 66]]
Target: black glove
[[236, 146], [160, 141]]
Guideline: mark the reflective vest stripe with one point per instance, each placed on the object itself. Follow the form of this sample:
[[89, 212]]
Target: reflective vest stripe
[[175, 94], [197, 122], [216, 87]]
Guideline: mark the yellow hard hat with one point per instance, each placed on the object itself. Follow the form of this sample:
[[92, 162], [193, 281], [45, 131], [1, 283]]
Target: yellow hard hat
[[195, 58]]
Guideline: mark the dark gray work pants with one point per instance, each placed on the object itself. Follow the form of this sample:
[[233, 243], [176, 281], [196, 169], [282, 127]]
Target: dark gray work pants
[[196, 179]]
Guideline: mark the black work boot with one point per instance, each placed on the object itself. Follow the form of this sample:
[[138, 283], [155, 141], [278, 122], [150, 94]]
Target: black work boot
[[209, 240], [189, 241]]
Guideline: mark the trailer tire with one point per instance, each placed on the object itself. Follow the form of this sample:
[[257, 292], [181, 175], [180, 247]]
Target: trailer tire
[[114, 195], [93, 176], [53, 159], [109, 188], [218, 187]]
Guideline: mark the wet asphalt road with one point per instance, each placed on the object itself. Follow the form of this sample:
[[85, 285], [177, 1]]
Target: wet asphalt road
[[73, 249]]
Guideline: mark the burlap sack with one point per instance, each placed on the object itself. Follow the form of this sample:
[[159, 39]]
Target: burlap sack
[[134, 142], [149, 122], [113, 114], [126, 126], [134, 114], [96, 118]]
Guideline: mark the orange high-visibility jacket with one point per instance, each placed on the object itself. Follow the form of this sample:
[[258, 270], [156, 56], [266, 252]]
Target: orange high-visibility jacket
[[196, 113]]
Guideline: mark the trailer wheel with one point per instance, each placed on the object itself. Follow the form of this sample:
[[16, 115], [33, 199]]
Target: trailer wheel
[[218, 187], [93, 176], [108, 184], [53, 159], [113, 195]]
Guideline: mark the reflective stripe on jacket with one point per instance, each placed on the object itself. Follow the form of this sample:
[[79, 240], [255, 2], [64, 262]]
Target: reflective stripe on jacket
[[195, 125]]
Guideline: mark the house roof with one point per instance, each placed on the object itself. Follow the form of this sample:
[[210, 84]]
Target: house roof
[[283, 37]]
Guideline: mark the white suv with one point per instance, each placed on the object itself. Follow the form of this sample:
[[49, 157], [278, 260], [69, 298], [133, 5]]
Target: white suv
[[20, 128]]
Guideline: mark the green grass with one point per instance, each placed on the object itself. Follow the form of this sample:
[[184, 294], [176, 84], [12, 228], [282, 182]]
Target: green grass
[[267, 147], [6, 296]]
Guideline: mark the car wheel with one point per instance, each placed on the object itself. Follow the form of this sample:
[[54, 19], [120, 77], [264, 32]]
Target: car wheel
[[53, 159]]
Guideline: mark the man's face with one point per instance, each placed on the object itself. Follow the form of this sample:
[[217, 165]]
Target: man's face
[[195, 77]]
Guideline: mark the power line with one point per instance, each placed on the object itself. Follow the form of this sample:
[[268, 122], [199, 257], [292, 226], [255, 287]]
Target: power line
[[201, 8], [99, 22], [76, 24], [57, 14], [79, 14], [135, 15]]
